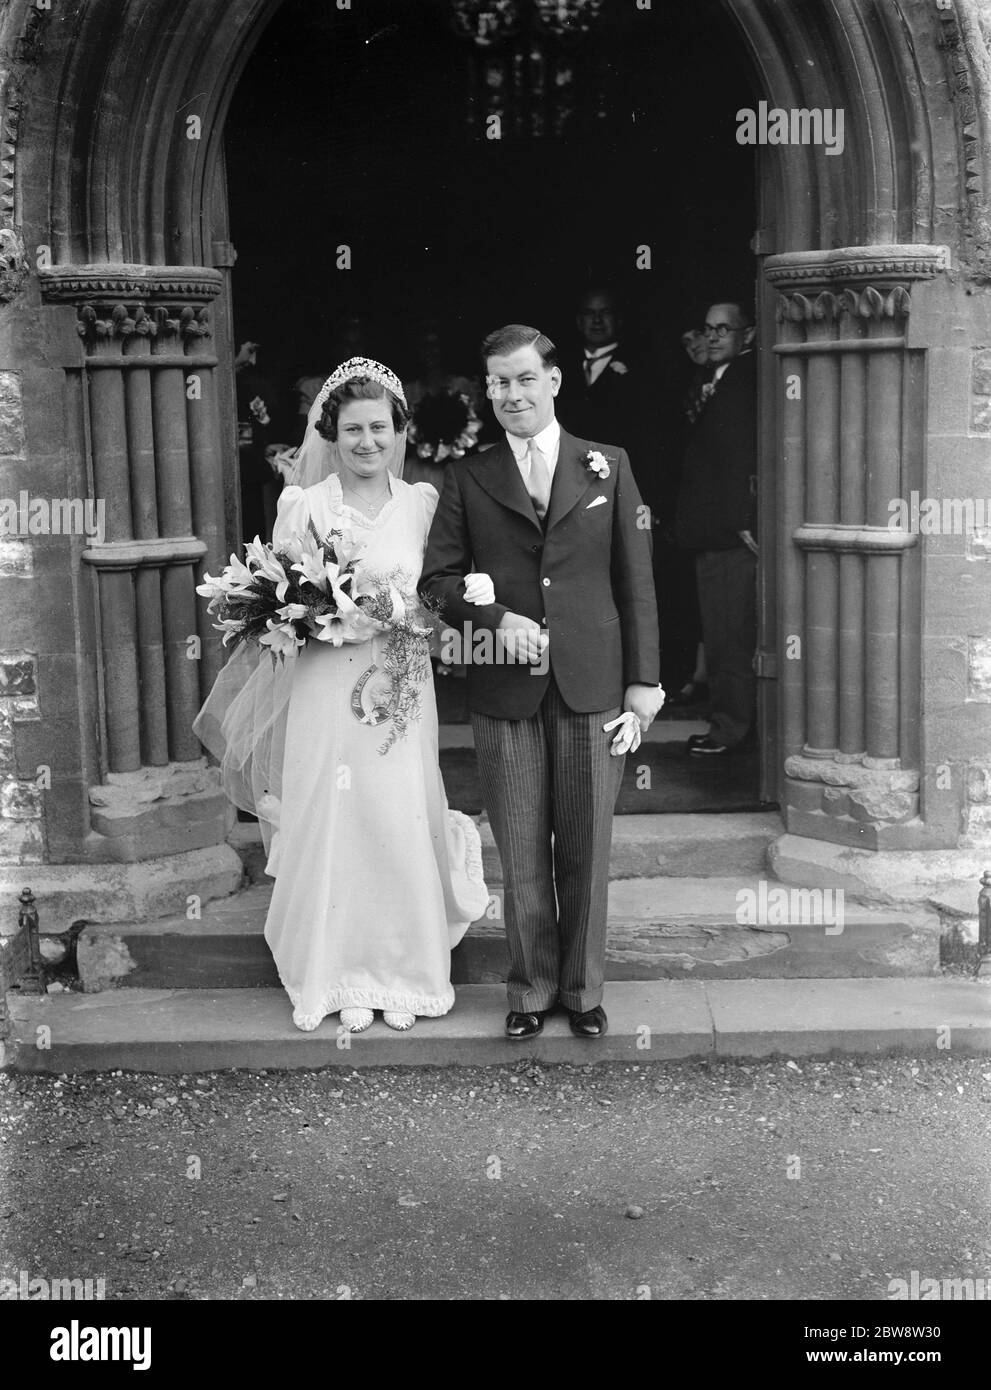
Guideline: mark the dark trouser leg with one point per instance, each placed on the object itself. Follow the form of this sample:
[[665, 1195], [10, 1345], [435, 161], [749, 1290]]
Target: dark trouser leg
[[585, 782], [513, 766], [727, 587]]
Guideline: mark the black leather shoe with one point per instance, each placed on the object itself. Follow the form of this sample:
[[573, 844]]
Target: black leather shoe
[[591, 1024], [529, 1025]]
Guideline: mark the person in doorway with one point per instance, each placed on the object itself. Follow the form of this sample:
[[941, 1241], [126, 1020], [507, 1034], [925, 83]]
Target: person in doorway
[[716, 520], [261, 425], [675, 568], [601, 388]]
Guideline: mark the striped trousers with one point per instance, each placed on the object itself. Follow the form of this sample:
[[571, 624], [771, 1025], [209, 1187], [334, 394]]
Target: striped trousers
[[550, 785]]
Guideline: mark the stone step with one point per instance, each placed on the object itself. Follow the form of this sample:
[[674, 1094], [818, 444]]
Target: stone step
[[678, 845], [659, 928], [170, 1032]]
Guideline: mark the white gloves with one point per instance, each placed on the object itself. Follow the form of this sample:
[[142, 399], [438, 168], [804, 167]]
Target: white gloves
[[479, 589]]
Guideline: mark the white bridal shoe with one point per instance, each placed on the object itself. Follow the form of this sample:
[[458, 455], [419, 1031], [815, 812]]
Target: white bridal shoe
[[357, 1020], [399, 1020]]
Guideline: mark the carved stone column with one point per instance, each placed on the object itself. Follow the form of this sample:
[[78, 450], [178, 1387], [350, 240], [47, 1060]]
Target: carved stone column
[[146, 394], [853, 427]]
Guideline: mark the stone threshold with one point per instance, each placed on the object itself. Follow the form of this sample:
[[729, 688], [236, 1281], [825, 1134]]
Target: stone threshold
[[183, 1031]]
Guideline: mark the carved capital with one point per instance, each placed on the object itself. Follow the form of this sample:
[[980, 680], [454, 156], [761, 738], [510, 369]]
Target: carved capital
[[194, 324], [102, 322], [860, 301]]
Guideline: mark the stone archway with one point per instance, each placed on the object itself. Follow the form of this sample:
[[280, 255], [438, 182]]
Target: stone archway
[[114, 265]]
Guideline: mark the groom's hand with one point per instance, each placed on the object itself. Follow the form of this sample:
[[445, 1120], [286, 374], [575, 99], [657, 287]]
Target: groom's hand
[[524, 639], [645, 702]]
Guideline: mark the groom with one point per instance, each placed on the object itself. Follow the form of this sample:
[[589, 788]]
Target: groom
[[554, 521]]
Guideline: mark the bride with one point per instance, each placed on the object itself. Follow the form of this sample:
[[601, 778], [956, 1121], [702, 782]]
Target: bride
[[375, 879]]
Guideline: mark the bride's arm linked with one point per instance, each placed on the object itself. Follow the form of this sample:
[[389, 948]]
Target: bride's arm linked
[[447, 564]]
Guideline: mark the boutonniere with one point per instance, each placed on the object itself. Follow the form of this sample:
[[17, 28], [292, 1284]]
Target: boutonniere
[[708, 389], [619, 367], [596, 464]]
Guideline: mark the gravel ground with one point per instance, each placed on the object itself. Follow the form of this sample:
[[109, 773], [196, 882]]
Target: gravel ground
[[612, 1182]]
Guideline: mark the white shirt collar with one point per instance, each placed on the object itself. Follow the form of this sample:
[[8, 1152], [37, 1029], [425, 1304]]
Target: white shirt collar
[[593, 354], [717, 374], [547, 442]]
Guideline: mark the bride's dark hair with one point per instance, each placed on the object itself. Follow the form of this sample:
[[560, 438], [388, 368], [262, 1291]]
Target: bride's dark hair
[[359, 388]]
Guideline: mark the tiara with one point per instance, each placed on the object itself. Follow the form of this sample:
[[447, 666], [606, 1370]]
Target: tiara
[[361, 366]]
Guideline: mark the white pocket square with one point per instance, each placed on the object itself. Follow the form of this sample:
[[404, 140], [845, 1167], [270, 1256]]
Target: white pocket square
[[597, 503]]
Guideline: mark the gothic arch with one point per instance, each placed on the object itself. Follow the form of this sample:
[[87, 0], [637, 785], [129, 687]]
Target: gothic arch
[[108, 175]]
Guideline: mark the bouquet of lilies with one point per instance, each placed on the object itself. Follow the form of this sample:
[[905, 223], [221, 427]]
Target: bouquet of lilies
[[306, 590]]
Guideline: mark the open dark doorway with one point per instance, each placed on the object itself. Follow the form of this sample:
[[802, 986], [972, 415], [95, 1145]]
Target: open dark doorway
[[616, 166]]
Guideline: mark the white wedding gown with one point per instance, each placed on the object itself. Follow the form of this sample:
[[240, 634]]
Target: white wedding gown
[[375, 879]]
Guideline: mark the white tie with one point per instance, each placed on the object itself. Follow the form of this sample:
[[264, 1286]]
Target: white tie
[[540, 479]]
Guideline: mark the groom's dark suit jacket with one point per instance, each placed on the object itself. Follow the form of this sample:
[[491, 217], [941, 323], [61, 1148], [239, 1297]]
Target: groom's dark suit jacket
[[586, 574]]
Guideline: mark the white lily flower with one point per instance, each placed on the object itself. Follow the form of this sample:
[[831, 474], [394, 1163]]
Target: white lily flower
[[311, 567], [290, 612], [213, 586], [229, 628], [237, 574], [265, 563], [254, 552], [335, 627], [281, 639]]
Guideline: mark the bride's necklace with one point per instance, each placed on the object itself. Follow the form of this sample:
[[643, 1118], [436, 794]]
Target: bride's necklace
[[371, 506]]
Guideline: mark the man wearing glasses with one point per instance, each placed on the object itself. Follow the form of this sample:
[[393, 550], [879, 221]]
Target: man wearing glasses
[[715, 518]]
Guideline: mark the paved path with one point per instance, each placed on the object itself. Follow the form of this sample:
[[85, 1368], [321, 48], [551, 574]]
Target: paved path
[[773, 1180]]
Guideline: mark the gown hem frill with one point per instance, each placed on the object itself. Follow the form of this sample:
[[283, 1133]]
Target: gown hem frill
[[338, 999]]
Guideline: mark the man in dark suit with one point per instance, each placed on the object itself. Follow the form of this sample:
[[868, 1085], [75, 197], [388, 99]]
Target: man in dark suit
[[557, 523], [600, 391], [715, 518]]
